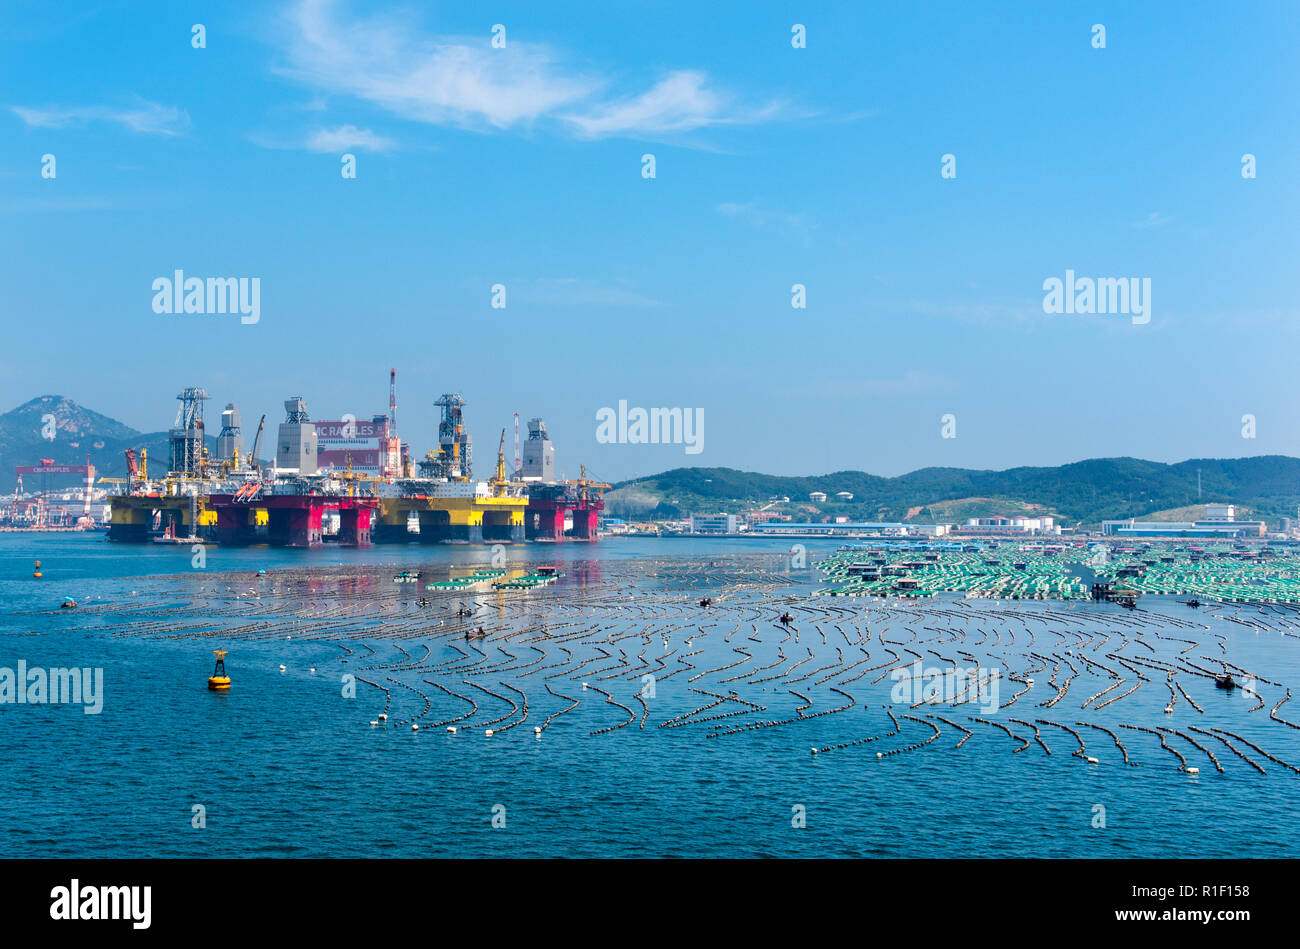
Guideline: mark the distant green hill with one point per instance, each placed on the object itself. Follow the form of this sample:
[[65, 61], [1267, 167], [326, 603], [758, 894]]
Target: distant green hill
[[1085, 491], [77, 431]]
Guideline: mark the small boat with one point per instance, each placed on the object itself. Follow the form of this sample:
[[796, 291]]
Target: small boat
[[707, 601], [1225, 681], [478, 633], [786, 619], [68, 604], [1193, 603], [219, 681]]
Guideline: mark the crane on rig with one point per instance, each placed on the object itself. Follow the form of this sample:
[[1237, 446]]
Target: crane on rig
[[499, 479], [583, 484], [257, 443]]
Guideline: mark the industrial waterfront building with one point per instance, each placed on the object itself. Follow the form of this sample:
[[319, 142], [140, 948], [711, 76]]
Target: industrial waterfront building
[[359, 445], [1219, 521], [853, 529], [1132, 527], [1014, 524], [715, 524]]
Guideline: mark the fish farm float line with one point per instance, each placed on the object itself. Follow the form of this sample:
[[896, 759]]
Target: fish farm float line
[[731, 648]]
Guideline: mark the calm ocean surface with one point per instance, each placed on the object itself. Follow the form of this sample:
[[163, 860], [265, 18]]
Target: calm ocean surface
[[284, 765]]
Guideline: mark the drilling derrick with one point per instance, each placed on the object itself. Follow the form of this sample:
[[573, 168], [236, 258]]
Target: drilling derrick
[[186, 436], [452, 461]]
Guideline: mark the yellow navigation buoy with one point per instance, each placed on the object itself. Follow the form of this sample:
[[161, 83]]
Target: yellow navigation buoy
[[37, 574], [219, 681]]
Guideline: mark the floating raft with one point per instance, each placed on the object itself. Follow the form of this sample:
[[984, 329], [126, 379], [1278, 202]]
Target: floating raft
[[528, 581], [910, 573], [457, 583]]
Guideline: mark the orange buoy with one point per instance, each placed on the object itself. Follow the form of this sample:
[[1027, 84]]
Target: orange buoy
[[37, 574]]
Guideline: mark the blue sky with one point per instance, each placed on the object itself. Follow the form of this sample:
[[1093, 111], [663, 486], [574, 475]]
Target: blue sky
[[775, 166]]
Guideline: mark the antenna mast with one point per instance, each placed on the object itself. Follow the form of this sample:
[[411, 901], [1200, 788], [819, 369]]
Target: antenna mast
[[392, 401]]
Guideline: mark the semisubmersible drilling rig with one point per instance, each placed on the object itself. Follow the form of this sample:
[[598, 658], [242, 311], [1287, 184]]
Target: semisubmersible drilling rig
[[234, 498]]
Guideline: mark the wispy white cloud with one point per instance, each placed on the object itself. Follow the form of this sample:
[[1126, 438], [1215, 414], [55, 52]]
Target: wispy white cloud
[[680, 102], [435, 79], [463, 81], [337, 139], [148, 117], [345, 137], [1154, 219]]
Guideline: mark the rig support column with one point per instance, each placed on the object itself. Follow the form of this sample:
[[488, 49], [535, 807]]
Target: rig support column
[[545, 523], [584, 523], [354, 527], [129, 523], [234, 525], [296, 526]]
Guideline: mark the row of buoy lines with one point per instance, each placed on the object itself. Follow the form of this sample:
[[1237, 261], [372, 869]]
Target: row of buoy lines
[[632, 648]]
